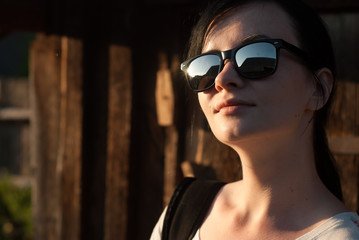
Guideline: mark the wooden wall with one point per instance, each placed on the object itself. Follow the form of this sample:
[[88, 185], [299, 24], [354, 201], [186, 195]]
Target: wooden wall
[[343, 127], [112, 141]]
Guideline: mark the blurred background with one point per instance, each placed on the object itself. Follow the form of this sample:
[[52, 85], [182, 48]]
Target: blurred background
[[96, 123]]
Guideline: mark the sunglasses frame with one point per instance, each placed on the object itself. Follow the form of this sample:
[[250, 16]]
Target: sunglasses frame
[[230, 54]]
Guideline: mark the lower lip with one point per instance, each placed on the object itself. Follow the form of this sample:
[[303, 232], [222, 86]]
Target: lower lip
[[229, 110]]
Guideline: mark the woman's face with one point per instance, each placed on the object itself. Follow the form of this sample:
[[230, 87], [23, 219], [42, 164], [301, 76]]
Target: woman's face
[[240, 109]]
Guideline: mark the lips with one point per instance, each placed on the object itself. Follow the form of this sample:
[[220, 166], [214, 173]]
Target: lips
[[231, 105]]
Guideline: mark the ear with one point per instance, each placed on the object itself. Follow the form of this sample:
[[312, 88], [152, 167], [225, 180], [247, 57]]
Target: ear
[[323, 85]]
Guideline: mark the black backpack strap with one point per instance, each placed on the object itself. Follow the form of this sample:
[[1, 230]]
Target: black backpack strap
[[188, 208], [173, 205]]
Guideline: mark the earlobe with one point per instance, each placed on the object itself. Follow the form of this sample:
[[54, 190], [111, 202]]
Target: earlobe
[[323, 85]]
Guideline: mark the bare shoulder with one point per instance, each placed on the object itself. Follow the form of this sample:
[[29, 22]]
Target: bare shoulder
[[225, 201], [227, 194], [219, 218]]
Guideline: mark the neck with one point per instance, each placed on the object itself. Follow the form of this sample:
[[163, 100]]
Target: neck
[[278, 175]]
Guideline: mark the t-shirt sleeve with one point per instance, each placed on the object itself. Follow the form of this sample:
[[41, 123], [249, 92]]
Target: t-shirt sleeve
[[157, 230], [348, 232], [346, 227]]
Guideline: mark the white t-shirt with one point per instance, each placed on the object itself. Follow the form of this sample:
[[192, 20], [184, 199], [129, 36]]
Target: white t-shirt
[[343, 226]]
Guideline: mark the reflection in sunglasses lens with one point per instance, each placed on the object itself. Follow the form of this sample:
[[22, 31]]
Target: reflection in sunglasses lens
[[203, 70], [256, 60]]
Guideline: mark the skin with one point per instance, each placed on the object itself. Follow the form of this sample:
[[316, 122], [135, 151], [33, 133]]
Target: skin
[[268, 123]]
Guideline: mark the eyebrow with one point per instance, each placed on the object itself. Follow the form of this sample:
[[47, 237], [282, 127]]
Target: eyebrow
[[253, 37], [245, 40]]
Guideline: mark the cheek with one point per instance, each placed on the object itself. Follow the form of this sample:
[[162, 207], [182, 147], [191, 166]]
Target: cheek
[[293, 82], [289, 96]]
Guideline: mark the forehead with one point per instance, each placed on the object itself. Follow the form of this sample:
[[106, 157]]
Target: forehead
[[249, 20]]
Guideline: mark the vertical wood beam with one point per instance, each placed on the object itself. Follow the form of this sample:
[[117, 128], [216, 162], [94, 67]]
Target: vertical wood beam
[[170, 163], [165, 101], [56, 78], [343, 124], [118, 150], [45, 71], [70, 154]]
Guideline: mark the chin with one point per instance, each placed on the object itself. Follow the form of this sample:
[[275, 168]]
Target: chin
[[229, 137], [235, 135]]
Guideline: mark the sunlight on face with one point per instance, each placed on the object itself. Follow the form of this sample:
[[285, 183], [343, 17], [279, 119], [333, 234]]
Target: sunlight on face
[[263, 108]]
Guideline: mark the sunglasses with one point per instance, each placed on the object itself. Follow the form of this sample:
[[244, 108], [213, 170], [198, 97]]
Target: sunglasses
[[254, 60]]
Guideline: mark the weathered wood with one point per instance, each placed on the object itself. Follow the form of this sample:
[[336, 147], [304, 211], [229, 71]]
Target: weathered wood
[[34, 134], [14, 114], [200, 143], [57, 82], [187, 169], [170, 169], [348, 167], [165, 113], [70, 147], [343, 127], [164, 93], [118, 151], [344, 145], [45, 71]]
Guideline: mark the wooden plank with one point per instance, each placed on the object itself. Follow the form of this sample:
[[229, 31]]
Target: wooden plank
[[187, 169], [34, 134], [118, 151], [348, 166], [56, 79], [344, 144], [15, 114], [342, 120], [45, 71], [164, 93], [343, 127], [170, 169], [165, 101], [70, 145]]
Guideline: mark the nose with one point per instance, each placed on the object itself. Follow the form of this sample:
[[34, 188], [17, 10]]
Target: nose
[[228, 78]]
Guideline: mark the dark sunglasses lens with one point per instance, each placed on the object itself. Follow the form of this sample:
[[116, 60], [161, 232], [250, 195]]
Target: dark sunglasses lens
[[202, 71], [256, 60]]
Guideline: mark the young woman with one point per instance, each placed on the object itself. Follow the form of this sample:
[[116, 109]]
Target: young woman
[[264, 73]]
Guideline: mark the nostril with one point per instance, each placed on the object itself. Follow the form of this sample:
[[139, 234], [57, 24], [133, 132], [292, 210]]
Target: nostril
[[233, 84], [218, 88]]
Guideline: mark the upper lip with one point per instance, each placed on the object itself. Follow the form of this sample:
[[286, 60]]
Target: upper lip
[[231, 102]]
